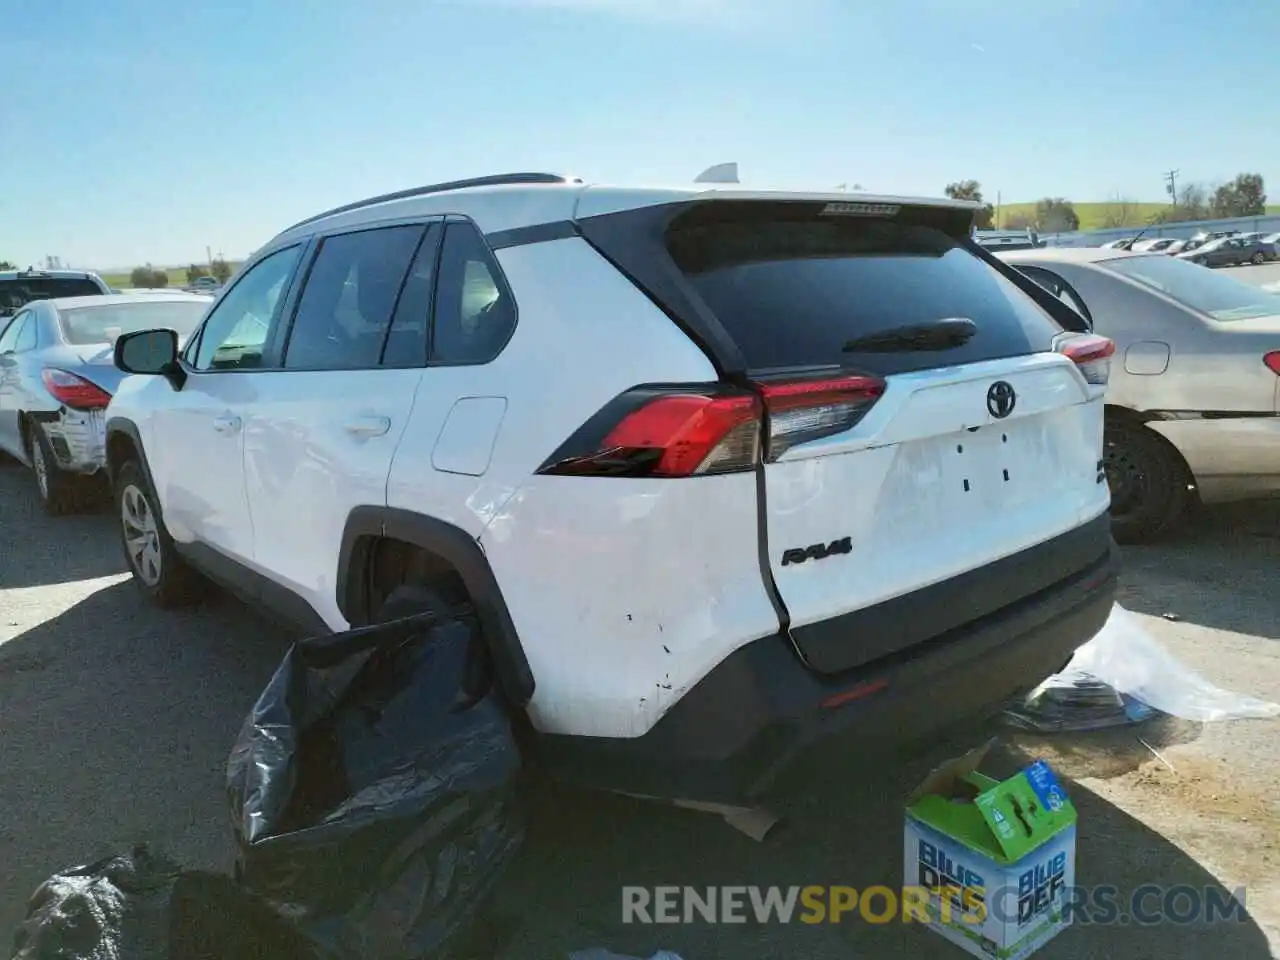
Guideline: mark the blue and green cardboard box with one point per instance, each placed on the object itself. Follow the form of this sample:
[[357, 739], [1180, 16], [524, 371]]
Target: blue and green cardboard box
[[997, 857]]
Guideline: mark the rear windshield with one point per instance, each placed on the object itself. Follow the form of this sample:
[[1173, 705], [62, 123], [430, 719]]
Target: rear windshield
[[794, 292], [1220, 296], [102, 324], [17, 292]]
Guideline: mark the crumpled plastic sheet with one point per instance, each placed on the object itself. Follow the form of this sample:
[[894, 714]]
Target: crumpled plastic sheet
[[1121, 671], [142, 906], [598, 954], [375, 803]]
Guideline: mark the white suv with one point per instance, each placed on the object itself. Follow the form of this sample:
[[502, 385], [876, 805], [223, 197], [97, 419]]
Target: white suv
[[719, 471]]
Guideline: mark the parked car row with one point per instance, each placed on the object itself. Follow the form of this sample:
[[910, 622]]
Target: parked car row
[[1220, 249], [1193, 404]]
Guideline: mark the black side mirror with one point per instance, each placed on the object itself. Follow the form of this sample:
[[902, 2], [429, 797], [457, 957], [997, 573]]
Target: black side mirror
[[152, 352]]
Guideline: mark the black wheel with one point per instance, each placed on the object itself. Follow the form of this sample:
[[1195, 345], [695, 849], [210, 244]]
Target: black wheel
[[412, 599], [148, 549], [1149, 485], [59, 491], [1258, 258]]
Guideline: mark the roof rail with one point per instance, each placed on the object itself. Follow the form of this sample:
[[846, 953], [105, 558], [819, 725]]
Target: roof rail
[[493, 180]]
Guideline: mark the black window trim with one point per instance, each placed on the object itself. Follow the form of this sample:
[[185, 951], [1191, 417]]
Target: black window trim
[[186, 359], [1066, 284], [500, 279]]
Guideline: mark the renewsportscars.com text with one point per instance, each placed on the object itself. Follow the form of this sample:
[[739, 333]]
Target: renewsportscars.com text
[[1148, 904]]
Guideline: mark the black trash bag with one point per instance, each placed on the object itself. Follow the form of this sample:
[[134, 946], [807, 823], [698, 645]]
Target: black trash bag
[[373, 799], [140, 906]]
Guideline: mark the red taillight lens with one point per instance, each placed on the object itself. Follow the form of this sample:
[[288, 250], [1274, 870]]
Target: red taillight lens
[[803, 411], [673, 432], [1272, 360], [74, 392], [1090, 353], [683, 435]]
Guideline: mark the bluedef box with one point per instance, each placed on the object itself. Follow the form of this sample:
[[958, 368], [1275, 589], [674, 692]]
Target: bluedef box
[[993, 861]]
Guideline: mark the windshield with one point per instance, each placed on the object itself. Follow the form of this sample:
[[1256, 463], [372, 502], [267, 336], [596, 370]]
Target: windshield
[[104, 323], [1221, 297], [17, 292]]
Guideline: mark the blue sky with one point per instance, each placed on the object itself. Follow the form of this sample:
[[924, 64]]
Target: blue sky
[[140, 131]]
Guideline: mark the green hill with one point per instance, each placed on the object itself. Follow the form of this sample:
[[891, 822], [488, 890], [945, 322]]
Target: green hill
[[1095, 216], [177, 276]]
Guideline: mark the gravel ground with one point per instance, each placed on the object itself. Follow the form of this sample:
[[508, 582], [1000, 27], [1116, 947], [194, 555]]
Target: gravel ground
[[115, 719]]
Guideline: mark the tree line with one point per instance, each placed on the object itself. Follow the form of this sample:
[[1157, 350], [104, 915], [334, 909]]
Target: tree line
[[152, 278], [1243, 196]]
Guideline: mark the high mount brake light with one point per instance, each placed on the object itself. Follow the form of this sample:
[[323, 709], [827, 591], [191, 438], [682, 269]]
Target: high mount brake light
[[74, 392], [686, 432], [1272, 360], [1090, 353]]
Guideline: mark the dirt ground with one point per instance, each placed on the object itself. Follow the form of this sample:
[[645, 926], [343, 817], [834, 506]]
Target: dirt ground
[[115, 720]]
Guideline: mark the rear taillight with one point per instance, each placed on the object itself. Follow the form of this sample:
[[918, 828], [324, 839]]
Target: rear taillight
[[1090, 353], [801, 411], [74, 392], [1272, 360], [686, 432]]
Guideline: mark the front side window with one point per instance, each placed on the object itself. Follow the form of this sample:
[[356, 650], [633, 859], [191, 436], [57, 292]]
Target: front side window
[[345, 310], [235, 335], [1208, 291]]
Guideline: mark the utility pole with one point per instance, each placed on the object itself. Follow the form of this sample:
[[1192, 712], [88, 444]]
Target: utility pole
[[1171, 185], [208, 253], [997, 209]]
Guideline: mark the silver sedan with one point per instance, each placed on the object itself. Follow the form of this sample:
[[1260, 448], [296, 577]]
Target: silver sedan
[[57, 376], [1193, 403]]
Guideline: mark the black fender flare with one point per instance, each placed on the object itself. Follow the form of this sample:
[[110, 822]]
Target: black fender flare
[[122, 426], [366, 525]]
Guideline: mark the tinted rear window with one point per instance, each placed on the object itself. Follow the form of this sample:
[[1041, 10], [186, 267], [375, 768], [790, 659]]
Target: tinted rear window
[[794, 292], [17, 292]]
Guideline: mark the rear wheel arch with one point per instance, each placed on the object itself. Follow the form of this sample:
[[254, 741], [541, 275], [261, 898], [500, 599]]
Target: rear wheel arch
[[439, 553]]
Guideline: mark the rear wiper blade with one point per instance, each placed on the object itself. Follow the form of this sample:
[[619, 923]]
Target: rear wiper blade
[[935, 335]]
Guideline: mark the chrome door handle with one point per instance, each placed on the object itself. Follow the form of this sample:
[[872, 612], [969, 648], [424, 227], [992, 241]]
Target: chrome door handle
[[369, 426], [226, 424]]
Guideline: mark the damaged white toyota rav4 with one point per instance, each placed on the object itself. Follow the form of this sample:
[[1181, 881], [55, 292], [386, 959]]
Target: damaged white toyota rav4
[[722, 473]]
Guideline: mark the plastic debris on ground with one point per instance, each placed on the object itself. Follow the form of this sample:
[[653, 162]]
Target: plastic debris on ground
[[139, 906], [1123, 675], [373, 799], [598, 954]]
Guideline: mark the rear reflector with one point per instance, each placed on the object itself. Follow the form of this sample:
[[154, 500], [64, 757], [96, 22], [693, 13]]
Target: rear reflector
[[1272, 360], [854, 693], [1090, 353], [698, 431], [74, 392]]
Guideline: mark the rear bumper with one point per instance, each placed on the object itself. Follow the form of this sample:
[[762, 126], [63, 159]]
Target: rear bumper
[[729, 738], [78, 439]]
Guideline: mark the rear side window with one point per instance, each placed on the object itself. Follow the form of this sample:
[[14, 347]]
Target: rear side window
[[345, 310], [793, 291], [475, 313], [20, 291]]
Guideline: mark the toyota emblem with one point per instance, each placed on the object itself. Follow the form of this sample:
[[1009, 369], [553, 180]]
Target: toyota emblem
[[1001, 399]]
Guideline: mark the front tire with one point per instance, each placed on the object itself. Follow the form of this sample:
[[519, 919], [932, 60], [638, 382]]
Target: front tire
[[160, 573], [1149, 484]]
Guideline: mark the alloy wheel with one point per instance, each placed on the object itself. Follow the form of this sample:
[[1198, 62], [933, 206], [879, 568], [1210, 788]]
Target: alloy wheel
[[141, 534]]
